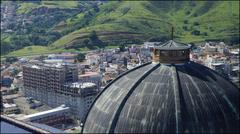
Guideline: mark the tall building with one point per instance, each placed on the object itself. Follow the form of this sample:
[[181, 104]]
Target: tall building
[[57, 84], [168, 95]]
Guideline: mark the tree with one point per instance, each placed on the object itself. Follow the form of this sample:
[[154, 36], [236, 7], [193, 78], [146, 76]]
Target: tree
[[11, 59], [86, 42], [159, 39], [93, 36], [96, 8], [80, 57], [5, 47], [94, 40], [122, 48]]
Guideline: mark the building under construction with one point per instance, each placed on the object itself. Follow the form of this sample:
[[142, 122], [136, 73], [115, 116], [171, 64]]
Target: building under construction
[[57, 84]]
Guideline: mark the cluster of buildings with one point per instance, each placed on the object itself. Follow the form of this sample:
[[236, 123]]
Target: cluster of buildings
[[10, 83], [113, 62], [58, 79], [219, 57]]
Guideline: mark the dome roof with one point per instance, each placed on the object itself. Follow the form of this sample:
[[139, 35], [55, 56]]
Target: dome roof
[[166, 98], [172, 45]]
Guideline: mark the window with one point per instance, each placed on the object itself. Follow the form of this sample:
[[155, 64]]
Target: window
[[163, 53], [180, 53], [170, 53], [175, 53]]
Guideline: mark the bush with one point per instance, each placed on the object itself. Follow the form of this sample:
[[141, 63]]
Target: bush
[[196, 23], [195, 32], [185, 21], [185, 28], [211, 29], [125, 10], [205, 33], [187, 13], [195, 15]]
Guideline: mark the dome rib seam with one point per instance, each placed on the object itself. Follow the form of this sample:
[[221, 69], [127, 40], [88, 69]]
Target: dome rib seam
[[108, 85], [118, 112], [177, 99]]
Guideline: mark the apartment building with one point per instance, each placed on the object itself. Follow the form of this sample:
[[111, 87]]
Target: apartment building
[[57, 84]]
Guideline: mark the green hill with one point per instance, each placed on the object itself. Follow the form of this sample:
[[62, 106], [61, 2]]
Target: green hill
[[141, 20], [118, 22]]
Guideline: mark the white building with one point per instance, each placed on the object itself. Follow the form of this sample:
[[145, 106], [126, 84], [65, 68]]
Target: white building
[[10, 108], [92, 59], [210, 48]]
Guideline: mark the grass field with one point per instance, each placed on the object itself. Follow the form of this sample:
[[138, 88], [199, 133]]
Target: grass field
[[25, 7], [38, 50], [60, 4]]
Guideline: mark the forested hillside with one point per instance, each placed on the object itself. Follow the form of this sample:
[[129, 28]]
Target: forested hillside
[[90, 25]]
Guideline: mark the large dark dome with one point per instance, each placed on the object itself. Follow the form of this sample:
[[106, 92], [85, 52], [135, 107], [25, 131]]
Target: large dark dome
[[161, 98]]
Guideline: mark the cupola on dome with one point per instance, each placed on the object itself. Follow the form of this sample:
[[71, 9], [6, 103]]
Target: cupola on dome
[[171, 52]]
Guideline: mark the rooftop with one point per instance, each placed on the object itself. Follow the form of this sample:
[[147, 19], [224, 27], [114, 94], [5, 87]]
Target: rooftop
[[8, 105], [61, 108], [82, 85], [172, 45], [11, 96], [57, 65], [88, 74]]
